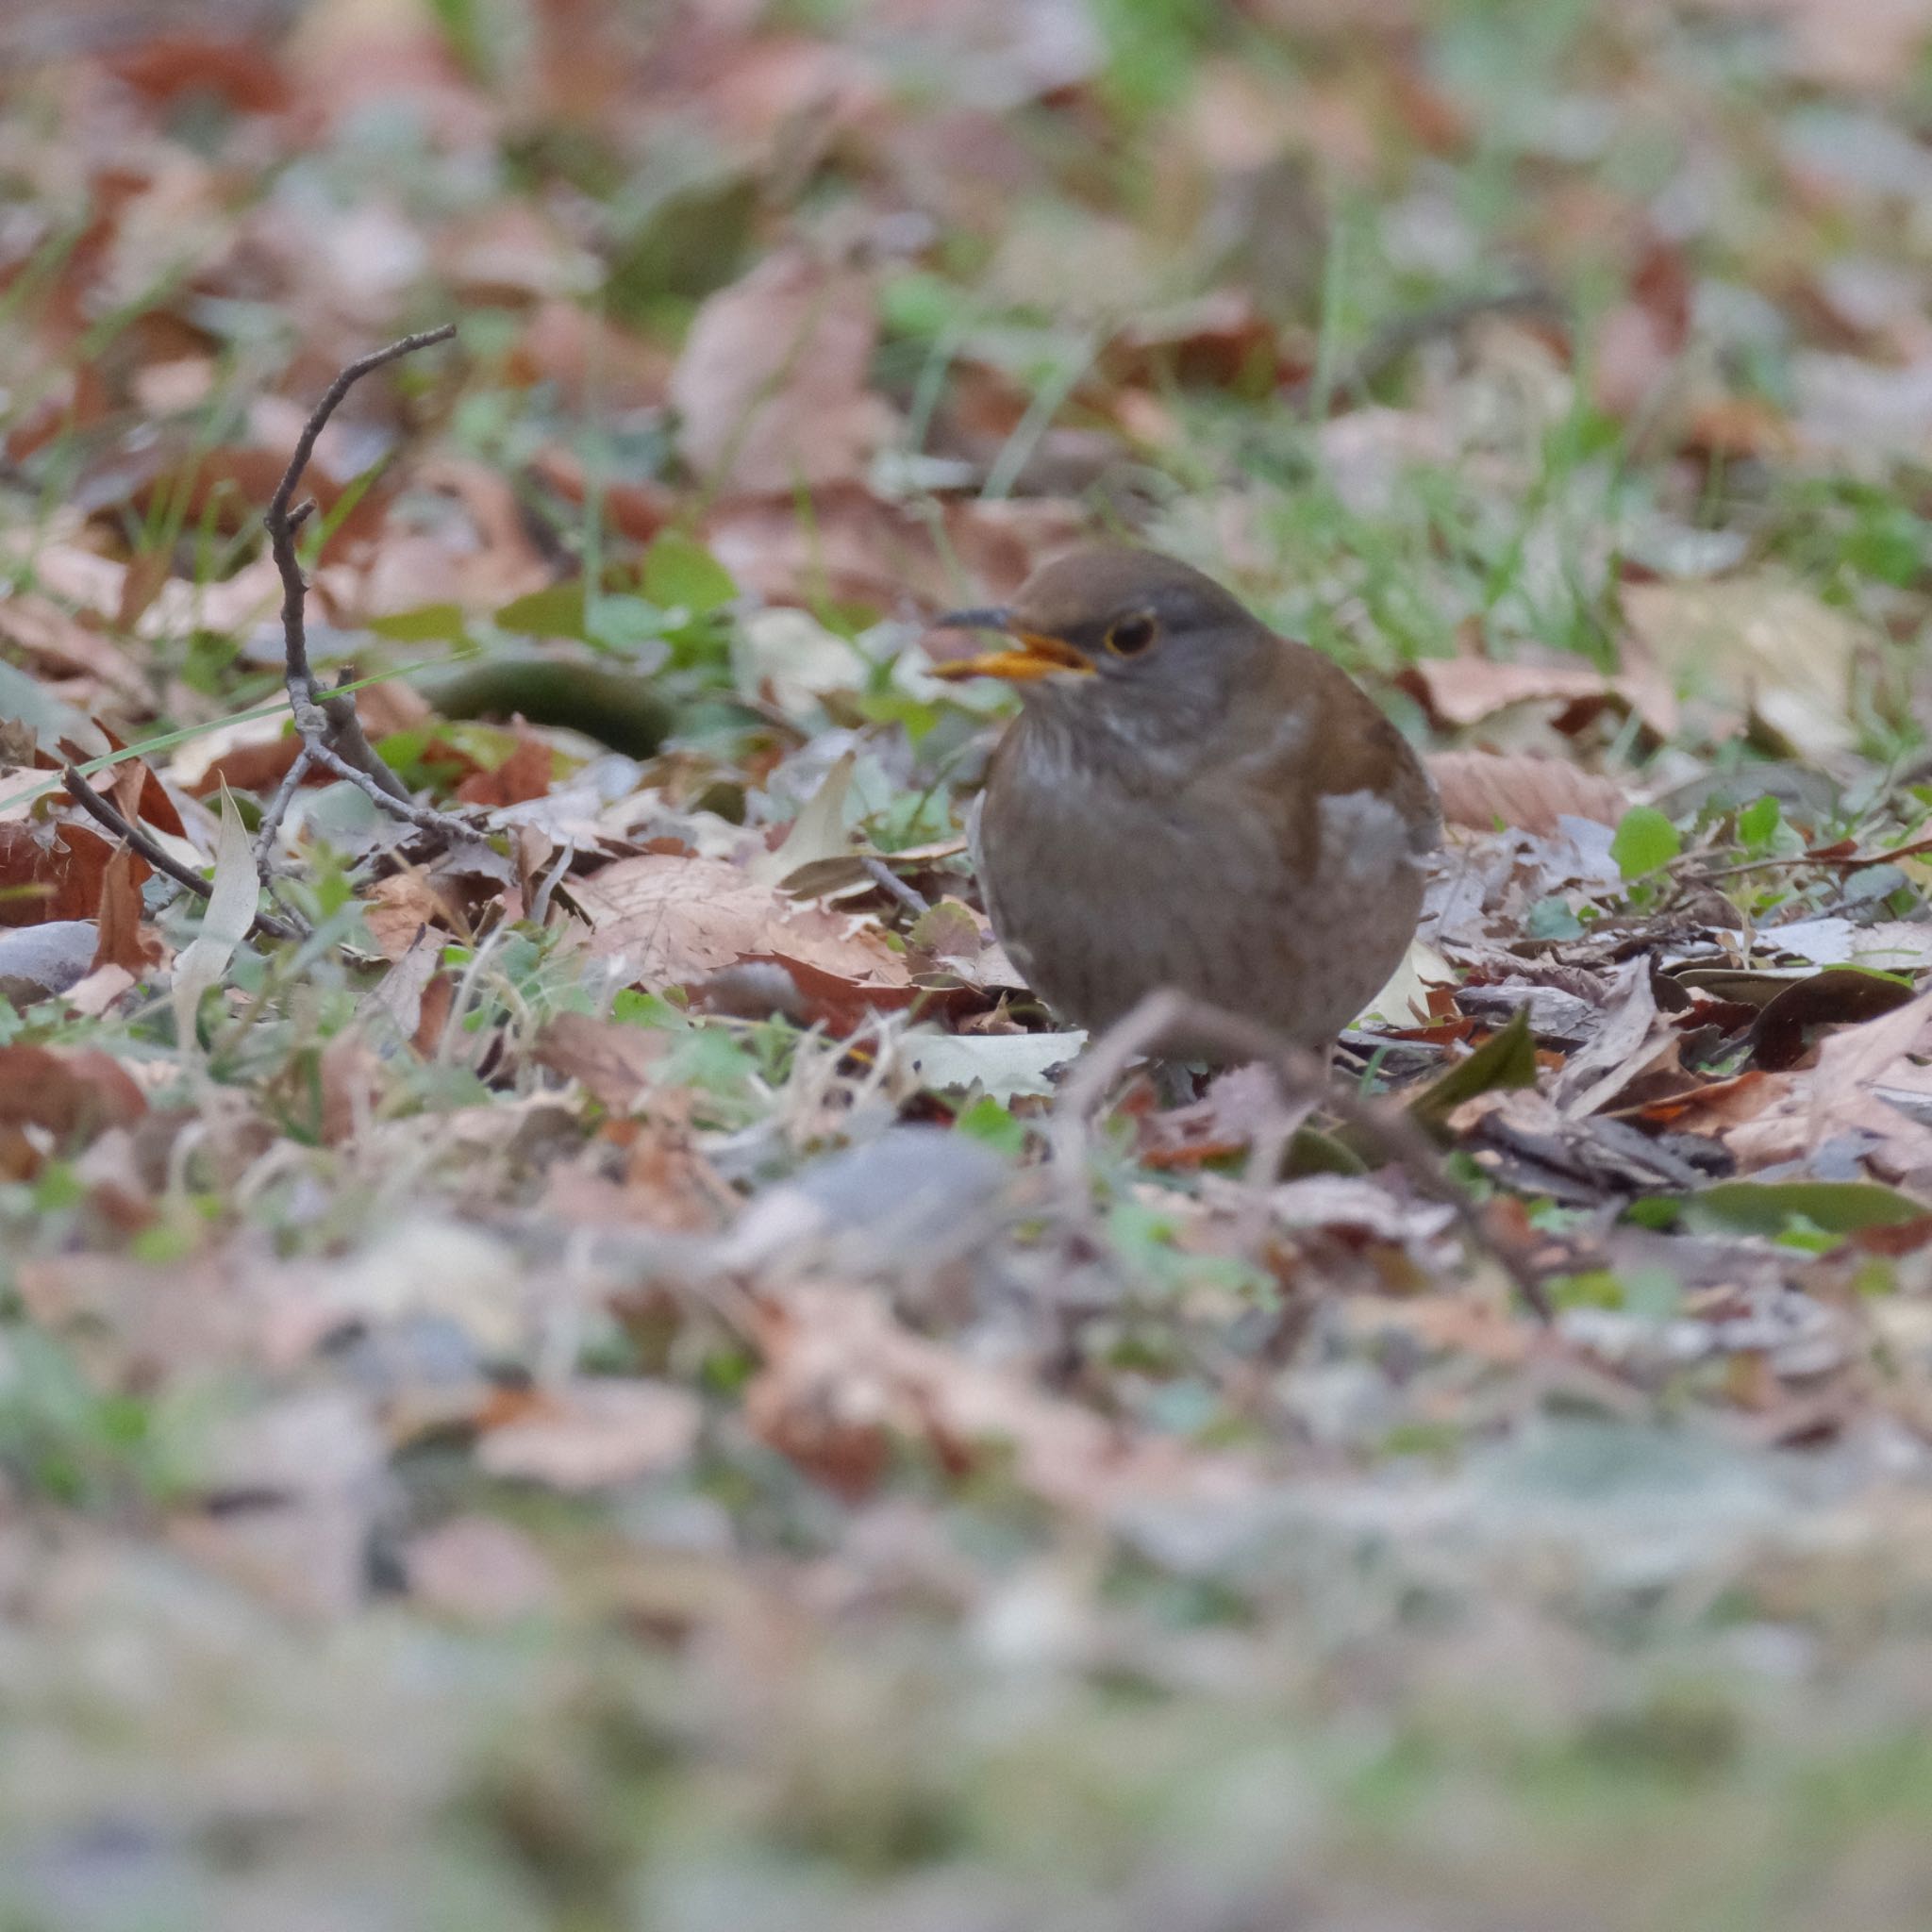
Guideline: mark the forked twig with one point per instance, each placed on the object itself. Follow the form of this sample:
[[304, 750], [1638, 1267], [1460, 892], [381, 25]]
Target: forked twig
[[110, 816], [1302, 1076], [323, 723]]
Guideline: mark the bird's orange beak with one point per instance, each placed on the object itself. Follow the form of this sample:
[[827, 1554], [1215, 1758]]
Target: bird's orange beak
[[1037, 657]]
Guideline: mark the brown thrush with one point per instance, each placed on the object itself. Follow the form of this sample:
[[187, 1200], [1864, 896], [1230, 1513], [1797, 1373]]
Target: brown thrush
[[1188, 801]]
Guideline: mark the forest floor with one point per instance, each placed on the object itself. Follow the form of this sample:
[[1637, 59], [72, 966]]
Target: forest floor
[[598, 1370]]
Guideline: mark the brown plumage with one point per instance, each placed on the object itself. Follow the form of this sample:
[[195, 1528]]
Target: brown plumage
[[1188, 801]]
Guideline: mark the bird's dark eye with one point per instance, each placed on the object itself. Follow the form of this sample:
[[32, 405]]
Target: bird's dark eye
[[1131, 635]]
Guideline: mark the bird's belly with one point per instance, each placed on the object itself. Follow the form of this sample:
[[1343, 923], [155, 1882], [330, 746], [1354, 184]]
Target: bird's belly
[[1100, 915]]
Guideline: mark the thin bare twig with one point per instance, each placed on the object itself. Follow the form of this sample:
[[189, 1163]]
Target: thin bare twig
[[1302, 1076], [888, 882], [278, 810], [105, 814], [322, 723]]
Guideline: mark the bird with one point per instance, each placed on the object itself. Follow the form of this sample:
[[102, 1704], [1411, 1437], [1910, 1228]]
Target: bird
[[1189, 802]]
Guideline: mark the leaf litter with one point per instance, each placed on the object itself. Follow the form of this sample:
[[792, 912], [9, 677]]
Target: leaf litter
[[600, 1359]]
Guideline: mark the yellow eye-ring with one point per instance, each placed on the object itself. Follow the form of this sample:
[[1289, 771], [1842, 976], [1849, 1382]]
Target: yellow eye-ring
[[1131, 635]]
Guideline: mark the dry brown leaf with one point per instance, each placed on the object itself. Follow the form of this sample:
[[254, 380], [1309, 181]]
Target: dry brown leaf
[[56, 869], [857, 549], [1838, 1097], [524, 775], [71, 1094], [397, 908], [771, 390], [1761, 642], [614, 1062], [490, 564], [122, 942], [1480, 789], [595, 1434], [40, 629], [678, 920], [1461, 691], [844, 1382]]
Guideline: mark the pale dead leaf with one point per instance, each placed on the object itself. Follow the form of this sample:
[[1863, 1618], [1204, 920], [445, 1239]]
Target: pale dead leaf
[[820, 830], [857, 549], [772, 388], [479, 1569], [36, 960], [1461, 691], [613, 1061], [39, 629], [674, 921], [596, 1434], [1765, 645], [1480, 789], [844, 1382], [234, 896]]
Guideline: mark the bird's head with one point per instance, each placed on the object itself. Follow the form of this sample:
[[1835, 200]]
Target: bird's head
[[1120, 625]]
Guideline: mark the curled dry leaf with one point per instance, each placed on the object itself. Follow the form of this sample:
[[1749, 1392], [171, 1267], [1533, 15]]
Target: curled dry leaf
[[676, 921], [773, 388], [1482, 790]]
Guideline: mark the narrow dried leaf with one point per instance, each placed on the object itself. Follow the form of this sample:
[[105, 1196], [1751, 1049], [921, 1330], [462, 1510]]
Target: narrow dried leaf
[[234, 894]]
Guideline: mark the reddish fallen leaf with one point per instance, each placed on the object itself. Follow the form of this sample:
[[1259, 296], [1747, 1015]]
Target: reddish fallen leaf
[[72, 1094], [122, 942], [1837, 1097], [773, 388], [590, 359], [55, 869], [240, 74], [524, 775], [637, 510], [223, 489], [1482, 790]]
